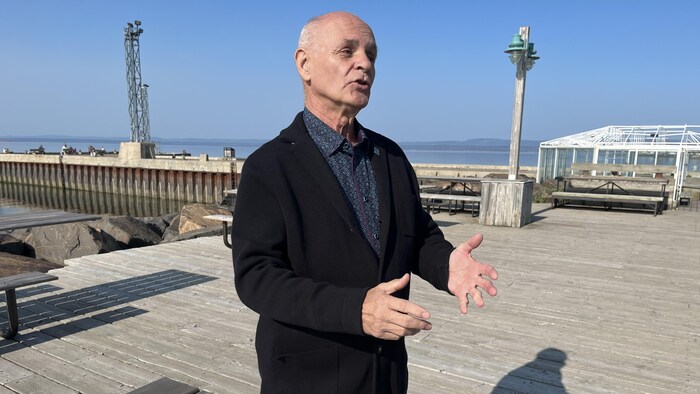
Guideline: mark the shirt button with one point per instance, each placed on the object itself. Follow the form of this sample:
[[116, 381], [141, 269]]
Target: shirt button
[[376, 236], [364, 199], [379, 349]]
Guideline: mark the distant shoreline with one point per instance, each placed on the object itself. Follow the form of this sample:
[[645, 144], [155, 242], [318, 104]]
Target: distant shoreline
[[478, 152]]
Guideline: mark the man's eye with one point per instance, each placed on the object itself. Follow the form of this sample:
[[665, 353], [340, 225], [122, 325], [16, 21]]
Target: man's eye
[[346, 51]]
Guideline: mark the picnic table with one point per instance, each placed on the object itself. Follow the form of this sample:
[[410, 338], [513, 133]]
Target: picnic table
[[607, 190], [10, 283], [435, 197], [225, 220], [467, 183]]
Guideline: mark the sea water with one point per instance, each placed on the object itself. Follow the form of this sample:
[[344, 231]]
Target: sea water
[[426, 153]]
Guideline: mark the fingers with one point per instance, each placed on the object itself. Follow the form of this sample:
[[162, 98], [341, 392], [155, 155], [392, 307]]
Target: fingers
[[463, 304], [477, 297], [395, 332], [475, 293], [467, 276], [395, 285], [487, 285], [395, 326], [489, 271], [387, 317], [475, 240], [470, 244], [399, 304], [410, 309]]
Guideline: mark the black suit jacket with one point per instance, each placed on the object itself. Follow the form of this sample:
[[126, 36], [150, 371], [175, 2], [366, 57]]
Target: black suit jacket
[[302, 263]]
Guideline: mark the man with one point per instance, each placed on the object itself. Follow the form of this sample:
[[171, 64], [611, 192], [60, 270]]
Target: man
[[328, 226]]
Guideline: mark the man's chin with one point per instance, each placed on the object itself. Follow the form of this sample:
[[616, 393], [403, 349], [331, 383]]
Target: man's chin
[[360, 101]]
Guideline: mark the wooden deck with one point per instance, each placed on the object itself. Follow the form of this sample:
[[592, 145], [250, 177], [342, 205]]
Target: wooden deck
[[589, 302]]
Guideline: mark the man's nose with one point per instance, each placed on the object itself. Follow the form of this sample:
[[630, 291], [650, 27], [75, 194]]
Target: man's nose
[[364, 62]]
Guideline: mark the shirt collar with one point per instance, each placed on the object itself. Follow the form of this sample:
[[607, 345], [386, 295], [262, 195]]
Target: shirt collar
[[328, 140]]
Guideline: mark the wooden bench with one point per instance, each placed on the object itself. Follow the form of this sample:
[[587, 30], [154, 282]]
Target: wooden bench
[[608, 190], [9, 284], [437, 200], [225, 221]]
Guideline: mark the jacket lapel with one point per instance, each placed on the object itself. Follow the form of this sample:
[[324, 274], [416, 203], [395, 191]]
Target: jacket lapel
[[311, 159]]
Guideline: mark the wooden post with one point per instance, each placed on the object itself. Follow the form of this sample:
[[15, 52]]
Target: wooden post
[[505, 203], [518, 104]]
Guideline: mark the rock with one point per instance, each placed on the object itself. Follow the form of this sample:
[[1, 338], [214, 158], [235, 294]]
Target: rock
[[173, 230], [11, 264], [160, 224], [129, 232], [65, 241], [10, 244], [199, 233], [191, 217], [228, 202], [21, 234]]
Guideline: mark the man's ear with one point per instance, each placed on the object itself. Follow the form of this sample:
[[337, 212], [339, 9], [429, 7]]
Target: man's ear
[[303, 64]]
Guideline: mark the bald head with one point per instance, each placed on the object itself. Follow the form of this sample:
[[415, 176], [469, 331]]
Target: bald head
[[335, 61], [310, 30]]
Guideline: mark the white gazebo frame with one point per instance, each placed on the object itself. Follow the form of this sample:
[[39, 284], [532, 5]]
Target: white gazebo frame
[[678, 139]]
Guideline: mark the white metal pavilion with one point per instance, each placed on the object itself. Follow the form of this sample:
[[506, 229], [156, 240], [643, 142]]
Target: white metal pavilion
[[655, 145]]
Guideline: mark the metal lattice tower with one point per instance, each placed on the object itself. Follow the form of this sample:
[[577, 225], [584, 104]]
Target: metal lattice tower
[[138, 92], [145, 119]]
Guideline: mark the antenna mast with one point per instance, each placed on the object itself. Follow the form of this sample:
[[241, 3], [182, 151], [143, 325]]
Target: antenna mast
[[138, 92]]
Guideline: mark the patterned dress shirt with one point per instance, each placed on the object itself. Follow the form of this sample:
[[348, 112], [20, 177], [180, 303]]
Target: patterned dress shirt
[[352, 166]]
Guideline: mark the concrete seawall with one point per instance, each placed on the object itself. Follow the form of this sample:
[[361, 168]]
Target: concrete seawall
[[193, 180], [198, 179]]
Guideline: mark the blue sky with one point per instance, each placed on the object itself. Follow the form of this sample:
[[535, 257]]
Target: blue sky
[[224, 69]]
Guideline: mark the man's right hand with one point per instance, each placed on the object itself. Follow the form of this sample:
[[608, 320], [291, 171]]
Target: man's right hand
[[387, 317]]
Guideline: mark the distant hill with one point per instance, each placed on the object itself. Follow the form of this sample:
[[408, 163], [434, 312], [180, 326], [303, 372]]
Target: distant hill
[[480, 144]]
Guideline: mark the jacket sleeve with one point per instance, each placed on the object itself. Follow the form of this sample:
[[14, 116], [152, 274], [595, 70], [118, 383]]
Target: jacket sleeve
[[433, 254], [432, 249], [264, 278]]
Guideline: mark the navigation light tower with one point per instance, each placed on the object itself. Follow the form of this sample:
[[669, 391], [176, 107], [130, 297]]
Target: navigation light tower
[[138, 92]]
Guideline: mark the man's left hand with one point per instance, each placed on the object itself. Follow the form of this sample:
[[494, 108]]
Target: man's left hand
[[467, 275]]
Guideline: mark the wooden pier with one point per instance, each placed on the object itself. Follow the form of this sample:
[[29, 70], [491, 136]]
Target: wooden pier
[[589, 301]]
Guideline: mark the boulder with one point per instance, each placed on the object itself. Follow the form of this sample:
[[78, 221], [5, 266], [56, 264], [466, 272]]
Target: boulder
[[129, 232], [12, 264], [173, 230], [191, 217], [160, 224], [65, 241], [199, 233], [228, 202]]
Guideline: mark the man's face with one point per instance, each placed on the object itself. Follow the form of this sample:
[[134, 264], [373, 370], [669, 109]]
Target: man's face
[[341, 64]]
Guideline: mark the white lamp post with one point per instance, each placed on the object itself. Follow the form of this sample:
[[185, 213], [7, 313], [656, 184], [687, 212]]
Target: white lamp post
[[509, 202]]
